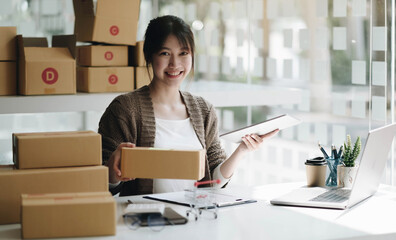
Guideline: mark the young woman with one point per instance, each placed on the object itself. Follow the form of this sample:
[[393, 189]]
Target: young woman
[[160, 115]]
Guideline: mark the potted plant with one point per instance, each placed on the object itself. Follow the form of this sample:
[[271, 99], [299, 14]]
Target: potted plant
[[347, 170]]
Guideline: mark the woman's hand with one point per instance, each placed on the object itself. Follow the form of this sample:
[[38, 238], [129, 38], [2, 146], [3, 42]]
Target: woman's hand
[[253, 141], [114, 164]]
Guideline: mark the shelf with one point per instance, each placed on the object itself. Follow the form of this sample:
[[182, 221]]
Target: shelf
[[79, 102], [220, 94]]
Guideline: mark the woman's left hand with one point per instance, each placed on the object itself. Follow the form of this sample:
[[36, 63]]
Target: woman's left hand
[[253, 141]]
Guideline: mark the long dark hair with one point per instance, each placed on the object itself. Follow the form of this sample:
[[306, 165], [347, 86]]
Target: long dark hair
[[158, 31]]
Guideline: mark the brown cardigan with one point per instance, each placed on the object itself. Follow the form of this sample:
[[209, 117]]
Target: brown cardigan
[[130, 118]]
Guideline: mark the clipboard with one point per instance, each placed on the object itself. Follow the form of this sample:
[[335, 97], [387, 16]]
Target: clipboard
[[179, 198], [279, 122]]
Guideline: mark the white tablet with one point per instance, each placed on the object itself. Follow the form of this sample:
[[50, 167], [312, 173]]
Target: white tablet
[[280, 122]]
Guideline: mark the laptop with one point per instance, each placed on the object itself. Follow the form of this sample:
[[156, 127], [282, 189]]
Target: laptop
[[372, 164]]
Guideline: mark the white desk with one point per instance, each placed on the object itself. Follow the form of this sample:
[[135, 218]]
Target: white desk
[[374, 218]]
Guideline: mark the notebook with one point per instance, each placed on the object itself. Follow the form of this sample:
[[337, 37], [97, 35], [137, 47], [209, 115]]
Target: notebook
[[279, 122], [372, 164]]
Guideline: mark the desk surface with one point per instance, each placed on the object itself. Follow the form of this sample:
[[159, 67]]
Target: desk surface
[[375, 218]]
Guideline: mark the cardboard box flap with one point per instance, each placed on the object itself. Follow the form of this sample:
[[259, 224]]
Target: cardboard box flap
[[123, 9], [67, 41], [66, 195], [53, 134], [82, 8], [32, 41], [66, 198], [35, 54], [29, 42]]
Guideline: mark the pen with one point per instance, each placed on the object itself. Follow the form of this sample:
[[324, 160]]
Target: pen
[[334, 152], [340, 151], [323, 151]]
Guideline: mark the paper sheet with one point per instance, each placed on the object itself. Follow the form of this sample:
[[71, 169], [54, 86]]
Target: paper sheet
[[379, 38], [339, 104], [321, 71], [304, 69], [379, 73], [272, 9], [359, 8], [271, 67], [214, 64], [228, 120], [339, 38], [359, 108], [322, 38], [321, 8], [378, 108], [339, 135], [304, 39], [258, 67], [225, 65], [339, 8], [288, 38], [288, 68], [359, 72], [321, 133]]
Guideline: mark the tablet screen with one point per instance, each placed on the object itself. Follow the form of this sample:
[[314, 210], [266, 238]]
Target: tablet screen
[[279, 122]]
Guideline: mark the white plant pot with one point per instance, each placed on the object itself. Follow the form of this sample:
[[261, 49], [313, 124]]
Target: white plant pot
[[346, 176]]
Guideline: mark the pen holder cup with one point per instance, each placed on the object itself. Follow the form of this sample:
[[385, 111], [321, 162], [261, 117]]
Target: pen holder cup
[[316, 171], [332, 164]]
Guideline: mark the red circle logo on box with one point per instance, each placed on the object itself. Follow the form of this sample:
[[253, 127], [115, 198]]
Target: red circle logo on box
[[109, 55], [113, 79], [49, 76], [114, 30]]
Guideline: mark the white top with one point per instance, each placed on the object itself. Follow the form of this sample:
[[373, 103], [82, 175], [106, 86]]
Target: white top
[[178, 134]]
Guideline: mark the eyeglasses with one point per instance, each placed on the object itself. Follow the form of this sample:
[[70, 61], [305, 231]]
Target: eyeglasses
[[155, 221]]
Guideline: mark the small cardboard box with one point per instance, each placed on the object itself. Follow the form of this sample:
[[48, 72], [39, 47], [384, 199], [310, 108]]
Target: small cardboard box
[[8, 44], [136, 55], [68, 215], [8, 81], [13, 183], [102, 55], [142, 77], [105, 79], [141, 162], [57, 149], [108, 22], [44, 70]]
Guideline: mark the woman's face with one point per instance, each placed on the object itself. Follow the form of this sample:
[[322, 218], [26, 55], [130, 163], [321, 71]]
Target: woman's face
[[172, 63]]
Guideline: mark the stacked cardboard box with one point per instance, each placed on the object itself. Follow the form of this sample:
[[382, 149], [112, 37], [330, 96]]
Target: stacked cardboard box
[[143, 74], [8, 58], [56, 162], [68, 215], [44, 70], [104, 68]]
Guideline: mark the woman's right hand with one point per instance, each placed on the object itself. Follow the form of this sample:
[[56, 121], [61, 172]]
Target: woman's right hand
[[114, 164]]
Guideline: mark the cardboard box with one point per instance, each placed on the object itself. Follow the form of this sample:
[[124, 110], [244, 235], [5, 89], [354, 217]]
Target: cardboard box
[[105, 79], [13, 183], [102, 55], [8, 80], [141, 162], [142, 77], [8, 44], [57, 149], [136, 55], [108, 22], [68, 215], [44, 70]]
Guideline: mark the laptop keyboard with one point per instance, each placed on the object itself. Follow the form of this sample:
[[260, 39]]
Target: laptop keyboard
[[338, 195]]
